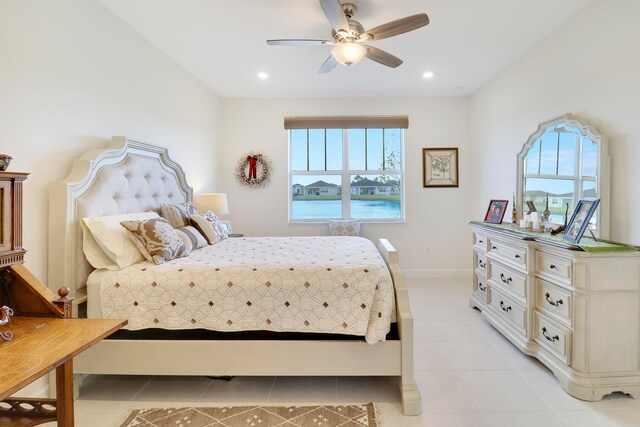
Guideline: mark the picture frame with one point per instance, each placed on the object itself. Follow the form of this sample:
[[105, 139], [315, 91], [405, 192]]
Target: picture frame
[[440, 167], [531, 206], [580, 220], [495, 211]]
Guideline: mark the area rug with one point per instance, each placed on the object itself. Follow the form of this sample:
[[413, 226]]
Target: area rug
[[263, 416]]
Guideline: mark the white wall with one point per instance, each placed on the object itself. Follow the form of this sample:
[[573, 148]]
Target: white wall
[[590, 67], [435, 218], [71, 76]]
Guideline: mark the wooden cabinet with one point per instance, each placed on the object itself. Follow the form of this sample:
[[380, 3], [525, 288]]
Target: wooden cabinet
[[11, 250], [577, 312]]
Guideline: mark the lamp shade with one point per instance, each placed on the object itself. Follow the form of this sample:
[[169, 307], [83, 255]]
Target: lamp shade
[[214, 202], [349, 53]]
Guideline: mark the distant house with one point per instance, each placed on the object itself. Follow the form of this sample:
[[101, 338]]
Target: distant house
[[556, 200], [296, 189], [367, 187], [321, 188]]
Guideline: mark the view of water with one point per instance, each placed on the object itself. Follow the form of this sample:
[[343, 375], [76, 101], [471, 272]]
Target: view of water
[[332, 209]]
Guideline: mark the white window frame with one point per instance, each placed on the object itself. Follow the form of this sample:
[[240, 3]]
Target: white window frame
[[345, 174]]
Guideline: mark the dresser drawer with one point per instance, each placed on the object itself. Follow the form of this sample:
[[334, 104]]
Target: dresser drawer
[[480, 261], [554, 300], [553, 337], [508, 278], [480, 241], [508, 309], [480, 285], [553, 267], [513, 254]]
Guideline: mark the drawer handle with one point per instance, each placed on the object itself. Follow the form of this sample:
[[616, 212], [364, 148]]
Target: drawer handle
[[480, 241], [507, 280], [552, 266], [481, 288], [552, 339], [481, 264], [494, 247], [518, 256], [505, 309], [555, 304]]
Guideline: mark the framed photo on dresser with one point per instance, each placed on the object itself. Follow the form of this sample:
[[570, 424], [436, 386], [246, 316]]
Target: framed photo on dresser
[[495, 211], [580, 220]]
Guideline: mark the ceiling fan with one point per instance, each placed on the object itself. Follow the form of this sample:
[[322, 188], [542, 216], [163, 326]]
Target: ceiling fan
[[349, 36]]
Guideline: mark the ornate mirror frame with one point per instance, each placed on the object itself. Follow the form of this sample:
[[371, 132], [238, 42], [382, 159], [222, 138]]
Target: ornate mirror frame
[[602, 182]]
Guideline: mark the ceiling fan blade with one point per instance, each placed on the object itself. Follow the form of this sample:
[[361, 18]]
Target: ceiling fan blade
[[299, 42], [400, 26], [328, 65], [382, 57], [335, 14]]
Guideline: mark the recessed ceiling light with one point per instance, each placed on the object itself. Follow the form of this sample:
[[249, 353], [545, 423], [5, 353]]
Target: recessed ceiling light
[[428, 75], [263, 76]]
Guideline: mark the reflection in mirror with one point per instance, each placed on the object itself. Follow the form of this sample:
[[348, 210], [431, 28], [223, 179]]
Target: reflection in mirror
[[559, 192], [589, 157], [562, 162]]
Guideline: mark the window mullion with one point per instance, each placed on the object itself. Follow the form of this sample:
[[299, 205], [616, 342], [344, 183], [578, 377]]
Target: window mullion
[[346, 180]]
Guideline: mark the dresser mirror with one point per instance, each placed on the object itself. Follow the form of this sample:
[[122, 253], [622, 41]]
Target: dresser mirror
[[563, 161]]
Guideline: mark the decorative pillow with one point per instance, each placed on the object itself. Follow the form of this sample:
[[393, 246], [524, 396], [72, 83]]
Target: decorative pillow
[[205, 227], [191, 238], [112, 240], [221, 229], [156, 239], [178, 215], [349, 227]]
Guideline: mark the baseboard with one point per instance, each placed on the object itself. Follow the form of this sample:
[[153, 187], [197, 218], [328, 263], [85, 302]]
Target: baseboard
[[432, 273]]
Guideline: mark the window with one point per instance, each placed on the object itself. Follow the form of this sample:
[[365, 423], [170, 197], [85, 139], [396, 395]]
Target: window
[[346, 173]]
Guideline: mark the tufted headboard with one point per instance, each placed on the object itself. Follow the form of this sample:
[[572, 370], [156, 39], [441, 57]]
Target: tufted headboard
[[128, 176]]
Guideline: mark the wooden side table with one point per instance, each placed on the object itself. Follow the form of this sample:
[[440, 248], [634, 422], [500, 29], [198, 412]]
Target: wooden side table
[[41, 344]]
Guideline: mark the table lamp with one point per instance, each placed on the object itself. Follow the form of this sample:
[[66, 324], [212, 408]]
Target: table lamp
[[214, 202]]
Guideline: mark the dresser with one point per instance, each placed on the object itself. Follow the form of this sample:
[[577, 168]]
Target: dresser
[[577, 312]]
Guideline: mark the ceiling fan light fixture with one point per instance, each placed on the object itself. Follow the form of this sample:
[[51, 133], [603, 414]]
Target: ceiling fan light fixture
[[349, 53]]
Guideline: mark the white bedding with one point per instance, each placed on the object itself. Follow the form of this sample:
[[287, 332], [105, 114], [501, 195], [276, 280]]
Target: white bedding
[[337, 285]]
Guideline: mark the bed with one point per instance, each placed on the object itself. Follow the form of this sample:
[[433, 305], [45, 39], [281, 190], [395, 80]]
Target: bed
[[360, 323]]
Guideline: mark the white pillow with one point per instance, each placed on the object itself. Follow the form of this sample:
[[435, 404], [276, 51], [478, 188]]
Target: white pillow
[[93, 252], [113, 239]]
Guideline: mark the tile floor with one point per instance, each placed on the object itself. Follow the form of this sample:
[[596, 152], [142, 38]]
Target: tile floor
[[468, 374]]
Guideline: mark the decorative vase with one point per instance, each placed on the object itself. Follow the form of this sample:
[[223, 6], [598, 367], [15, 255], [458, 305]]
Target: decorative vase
[[5, 159]]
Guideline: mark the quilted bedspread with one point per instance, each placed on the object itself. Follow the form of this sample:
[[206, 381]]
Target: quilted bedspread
[[337, 285]]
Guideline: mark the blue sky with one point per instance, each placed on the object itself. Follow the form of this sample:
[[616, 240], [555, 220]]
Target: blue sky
[[554, 153]]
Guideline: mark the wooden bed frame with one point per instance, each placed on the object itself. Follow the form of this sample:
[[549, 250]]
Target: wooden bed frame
[[148, 178]]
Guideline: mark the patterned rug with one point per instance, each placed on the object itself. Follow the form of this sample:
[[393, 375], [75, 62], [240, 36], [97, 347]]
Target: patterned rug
[[262, 416]]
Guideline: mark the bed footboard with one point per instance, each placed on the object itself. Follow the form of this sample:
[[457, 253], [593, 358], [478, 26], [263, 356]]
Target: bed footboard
[[411, 400]]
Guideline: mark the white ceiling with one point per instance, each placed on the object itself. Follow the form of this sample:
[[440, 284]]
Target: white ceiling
[[222, 43]]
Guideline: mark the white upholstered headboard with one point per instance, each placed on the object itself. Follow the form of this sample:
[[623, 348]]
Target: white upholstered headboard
[[128, 176]]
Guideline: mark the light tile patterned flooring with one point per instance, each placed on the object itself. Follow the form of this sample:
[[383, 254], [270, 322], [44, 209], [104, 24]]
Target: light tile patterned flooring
[[468, 374]]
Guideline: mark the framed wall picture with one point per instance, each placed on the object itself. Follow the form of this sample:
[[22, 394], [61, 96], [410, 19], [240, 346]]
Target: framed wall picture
[[580, 220], [496, 210], [439, 167]]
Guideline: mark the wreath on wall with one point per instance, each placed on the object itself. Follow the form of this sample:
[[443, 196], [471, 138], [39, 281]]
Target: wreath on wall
[[253, 170]]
